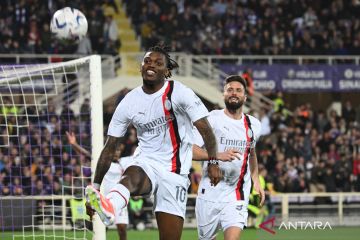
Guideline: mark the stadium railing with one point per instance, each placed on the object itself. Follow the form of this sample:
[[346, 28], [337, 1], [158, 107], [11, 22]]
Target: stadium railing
[[340, 208]]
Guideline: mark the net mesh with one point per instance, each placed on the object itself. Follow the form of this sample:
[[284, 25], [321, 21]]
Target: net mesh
[[42, 178]]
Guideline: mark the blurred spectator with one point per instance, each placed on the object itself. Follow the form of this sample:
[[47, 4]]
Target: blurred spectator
[[194, 181], [265, 122], [84, 46], [317, 178], [137, 215], [348, 112], [111, 36], [247, 75]]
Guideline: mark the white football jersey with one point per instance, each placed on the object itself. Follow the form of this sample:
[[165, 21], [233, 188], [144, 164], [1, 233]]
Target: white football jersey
[[164, 122], [230, 134]]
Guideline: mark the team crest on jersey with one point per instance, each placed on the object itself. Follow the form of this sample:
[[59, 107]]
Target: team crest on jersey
[[167, 104], [250, 133]]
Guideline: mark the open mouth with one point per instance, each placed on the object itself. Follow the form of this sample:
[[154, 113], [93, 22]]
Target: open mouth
[[150, 72]]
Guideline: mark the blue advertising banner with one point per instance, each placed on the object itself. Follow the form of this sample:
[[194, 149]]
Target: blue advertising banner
[[300, 78], [305, 78], [347, 77], [264, 76]]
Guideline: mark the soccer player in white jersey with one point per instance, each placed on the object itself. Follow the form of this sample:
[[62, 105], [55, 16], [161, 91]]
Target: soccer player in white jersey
[[163, 113], [225, 205]]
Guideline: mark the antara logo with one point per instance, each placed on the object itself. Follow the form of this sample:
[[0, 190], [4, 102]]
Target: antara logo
[[303, 225], [296, 225]]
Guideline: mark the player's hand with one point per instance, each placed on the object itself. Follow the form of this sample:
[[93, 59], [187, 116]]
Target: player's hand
[[214, 173], [89, 210], [228, 155], [260, 191], [71, 138]]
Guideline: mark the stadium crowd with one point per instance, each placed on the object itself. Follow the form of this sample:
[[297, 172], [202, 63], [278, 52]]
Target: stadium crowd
[[25, 28], [35, 157], [200, 27], [311, 151], [241, 27]]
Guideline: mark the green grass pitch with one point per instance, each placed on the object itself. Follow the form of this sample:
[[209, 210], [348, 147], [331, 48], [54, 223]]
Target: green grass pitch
[[339, 233]]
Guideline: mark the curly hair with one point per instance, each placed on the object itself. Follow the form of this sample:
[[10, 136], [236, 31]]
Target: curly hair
[[171, 63]]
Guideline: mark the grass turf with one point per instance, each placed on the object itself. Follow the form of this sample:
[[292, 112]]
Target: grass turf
[[346, 233]]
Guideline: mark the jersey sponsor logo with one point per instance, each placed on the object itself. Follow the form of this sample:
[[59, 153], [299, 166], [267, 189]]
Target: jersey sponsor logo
[[236, 144], [157, 125]]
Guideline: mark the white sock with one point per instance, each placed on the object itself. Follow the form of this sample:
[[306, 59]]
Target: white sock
[[119, 197]]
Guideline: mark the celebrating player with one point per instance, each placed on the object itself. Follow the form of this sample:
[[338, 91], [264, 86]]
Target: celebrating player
[[225, 205], [163, 113]]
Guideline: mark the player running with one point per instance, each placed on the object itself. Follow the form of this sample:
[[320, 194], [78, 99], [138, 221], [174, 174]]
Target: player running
[[225, 205]]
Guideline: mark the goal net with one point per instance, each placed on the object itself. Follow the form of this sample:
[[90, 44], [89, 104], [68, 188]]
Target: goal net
[[42, 177]]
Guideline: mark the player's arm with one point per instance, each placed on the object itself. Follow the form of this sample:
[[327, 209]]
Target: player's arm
[[200, 154], [105, 159], [72, 140], [208, 136], [255, 176]]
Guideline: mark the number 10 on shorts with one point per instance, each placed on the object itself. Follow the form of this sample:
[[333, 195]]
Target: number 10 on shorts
[[180, 193]]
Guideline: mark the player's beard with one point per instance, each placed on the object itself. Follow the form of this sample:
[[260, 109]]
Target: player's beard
[[233, 106], [152, 83]]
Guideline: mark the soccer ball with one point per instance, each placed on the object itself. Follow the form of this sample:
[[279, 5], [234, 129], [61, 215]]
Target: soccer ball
[[69, 23], [140, 226]]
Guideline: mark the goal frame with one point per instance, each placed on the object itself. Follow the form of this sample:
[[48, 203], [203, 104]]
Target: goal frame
[[96, 123]]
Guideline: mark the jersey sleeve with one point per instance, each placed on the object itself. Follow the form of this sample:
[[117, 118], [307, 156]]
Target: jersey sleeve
[[256, 128], [191, 103], [120, 120]]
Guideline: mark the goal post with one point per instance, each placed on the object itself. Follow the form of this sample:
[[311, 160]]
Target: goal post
[[97, 125], [40, 173]]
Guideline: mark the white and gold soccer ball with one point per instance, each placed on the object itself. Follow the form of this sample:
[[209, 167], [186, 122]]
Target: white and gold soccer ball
[[69, 23]]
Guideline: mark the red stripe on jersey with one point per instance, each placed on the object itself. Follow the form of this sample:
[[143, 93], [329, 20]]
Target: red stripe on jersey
[[239, 188], [173, 128]]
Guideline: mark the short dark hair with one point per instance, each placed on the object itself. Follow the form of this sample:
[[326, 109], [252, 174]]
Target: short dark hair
[[171, 63], [236, 78]]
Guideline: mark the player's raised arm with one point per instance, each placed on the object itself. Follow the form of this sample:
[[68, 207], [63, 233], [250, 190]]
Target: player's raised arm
[[105, 159], [72, 140]]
